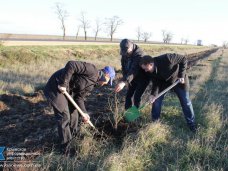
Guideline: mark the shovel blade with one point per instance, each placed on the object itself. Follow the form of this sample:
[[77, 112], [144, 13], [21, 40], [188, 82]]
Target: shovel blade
[[131, 114]]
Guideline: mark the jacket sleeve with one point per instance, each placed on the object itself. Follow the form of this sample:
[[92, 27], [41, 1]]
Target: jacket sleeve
[[155, 87], [70, 68], [81, 103], [123, 69], [133, 69], [181, 60]]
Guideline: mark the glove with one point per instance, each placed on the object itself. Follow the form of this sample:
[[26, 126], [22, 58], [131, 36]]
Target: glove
[[119, 87]]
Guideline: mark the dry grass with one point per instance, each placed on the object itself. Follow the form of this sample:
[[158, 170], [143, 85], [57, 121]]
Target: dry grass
[[166, 145], [177, 148], [136, 151], [51, 43], [26, 68]]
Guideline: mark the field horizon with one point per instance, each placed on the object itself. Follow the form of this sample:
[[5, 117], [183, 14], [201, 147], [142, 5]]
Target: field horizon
[[9, 37]]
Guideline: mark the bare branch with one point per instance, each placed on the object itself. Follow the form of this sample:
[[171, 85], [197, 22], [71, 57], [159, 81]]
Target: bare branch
[[139, 33], [186, 41], [146, 36], [62, 15], [85, 24], [167, 36], [78, 29], [112, 24], [97, 27]]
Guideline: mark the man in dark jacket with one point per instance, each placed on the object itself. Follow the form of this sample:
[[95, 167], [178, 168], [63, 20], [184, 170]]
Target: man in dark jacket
[[78, 79], [132, 73], [164, 70]]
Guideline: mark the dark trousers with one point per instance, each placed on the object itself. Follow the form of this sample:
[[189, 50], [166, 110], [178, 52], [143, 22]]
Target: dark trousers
[[186, 105], [136, 89], [67, 123]]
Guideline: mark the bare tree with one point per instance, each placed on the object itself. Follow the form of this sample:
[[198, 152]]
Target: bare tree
[[62, 15], [97, 27], [182, 40], [78, 29], [139, 33], [225, 44], [112, 24], [85, 23], [146, 36], [186, 41], [167, 36]]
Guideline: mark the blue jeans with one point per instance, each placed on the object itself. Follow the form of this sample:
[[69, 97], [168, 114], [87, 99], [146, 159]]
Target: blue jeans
[[186, 105]]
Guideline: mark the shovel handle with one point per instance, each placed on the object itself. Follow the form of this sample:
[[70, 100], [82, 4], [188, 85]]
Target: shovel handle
[[163, 92], [167, 89], [77, 107]]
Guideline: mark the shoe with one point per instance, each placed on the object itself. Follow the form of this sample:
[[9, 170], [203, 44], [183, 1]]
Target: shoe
[[71, 152], [64, 148], [193, 128]]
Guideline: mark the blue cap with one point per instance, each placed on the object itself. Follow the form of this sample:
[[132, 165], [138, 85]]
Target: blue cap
[[110, 70]]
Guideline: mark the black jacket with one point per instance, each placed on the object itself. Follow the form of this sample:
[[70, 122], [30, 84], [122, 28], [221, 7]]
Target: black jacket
[[168, 68], [130, 65], [78, 77]]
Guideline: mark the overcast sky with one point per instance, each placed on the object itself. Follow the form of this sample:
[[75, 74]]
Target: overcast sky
[[190, 19]]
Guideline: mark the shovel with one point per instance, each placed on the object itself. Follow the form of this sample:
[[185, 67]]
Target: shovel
[[77, 107], [133, 113]]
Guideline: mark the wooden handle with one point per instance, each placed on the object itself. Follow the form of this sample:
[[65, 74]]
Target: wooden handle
[[163, 92], [167, 89], [77, 107]]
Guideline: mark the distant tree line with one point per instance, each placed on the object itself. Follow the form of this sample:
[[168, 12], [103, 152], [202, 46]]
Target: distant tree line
[[109, 25]]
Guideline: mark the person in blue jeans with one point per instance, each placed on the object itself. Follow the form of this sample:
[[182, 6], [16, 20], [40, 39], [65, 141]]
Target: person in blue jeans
[[163, 71]]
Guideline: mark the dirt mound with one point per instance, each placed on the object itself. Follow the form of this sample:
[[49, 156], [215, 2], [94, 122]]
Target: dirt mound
[[196, 57]]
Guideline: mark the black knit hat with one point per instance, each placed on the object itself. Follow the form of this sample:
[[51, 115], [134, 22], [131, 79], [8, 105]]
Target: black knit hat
[[125, 44]]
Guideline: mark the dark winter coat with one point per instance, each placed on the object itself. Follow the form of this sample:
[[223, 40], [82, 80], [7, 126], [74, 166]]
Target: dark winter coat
[[130, 65], [78, 77], [168, 68]]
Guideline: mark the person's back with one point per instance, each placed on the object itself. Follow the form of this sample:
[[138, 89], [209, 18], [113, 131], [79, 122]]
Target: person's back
[[78, 78]]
